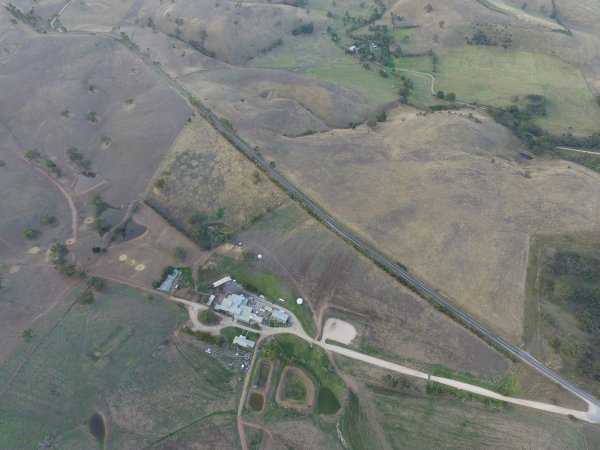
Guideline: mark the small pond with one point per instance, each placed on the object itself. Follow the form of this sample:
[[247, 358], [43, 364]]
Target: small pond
[[327, 402]]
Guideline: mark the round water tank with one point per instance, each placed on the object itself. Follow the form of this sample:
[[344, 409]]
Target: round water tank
[[299, 301]]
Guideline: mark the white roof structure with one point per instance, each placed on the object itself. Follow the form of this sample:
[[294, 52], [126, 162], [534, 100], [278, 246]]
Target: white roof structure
[[243, 341], [280, 316], [232, 304], [210, 300], [221, 281]]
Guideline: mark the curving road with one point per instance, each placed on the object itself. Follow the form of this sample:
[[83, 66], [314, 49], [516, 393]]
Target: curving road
[[375, 255], [296, 329]]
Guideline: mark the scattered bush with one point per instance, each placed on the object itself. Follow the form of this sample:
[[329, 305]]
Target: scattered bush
[[160, 183], [52, 168], [204, 336], [86, 297], [97, 283], [91, 117], [48, 219], [31, 233], [179, 253], [32, 154]]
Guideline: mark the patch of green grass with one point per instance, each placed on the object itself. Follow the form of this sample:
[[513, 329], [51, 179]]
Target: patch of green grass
[[319, 58], [493, 76], [327, 402], [260, 281], [186, 276]]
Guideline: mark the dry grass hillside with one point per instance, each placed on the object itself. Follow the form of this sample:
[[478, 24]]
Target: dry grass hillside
[[235, 32], [91, 93], [451, 198], [204, 173]]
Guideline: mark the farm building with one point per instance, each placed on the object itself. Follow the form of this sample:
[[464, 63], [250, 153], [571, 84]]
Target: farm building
[[221, 282], [280, 316], [211, 299], [237, 306], [243, 341], [167, 285]]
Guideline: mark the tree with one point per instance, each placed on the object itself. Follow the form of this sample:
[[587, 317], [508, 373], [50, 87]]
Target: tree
[[27, 334], [48, 219], [179, 253], [439, 94], [2, 163], [64, 113], [30, 233], [428, 8], [97, 283], [32, 154], [160, 183], [85, 297], [68, 270], [91, 117], [451, 96]]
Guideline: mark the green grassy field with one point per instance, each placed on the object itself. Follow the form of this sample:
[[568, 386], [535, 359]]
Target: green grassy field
[[257, 279], [319, 58], [117, 356], [493, 76]]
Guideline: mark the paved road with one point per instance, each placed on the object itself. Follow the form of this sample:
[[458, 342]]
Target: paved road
[[193, 308], [383, 260]]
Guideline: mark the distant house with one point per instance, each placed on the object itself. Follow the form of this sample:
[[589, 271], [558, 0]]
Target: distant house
[[243, 341], [221, 282], [280, 316]]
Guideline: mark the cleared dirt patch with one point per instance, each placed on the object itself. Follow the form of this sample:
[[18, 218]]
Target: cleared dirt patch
[[296, 390], [339, 331]]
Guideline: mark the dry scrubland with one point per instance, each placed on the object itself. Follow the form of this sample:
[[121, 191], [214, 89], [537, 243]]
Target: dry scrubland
[[204, 173], [450, 198]]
